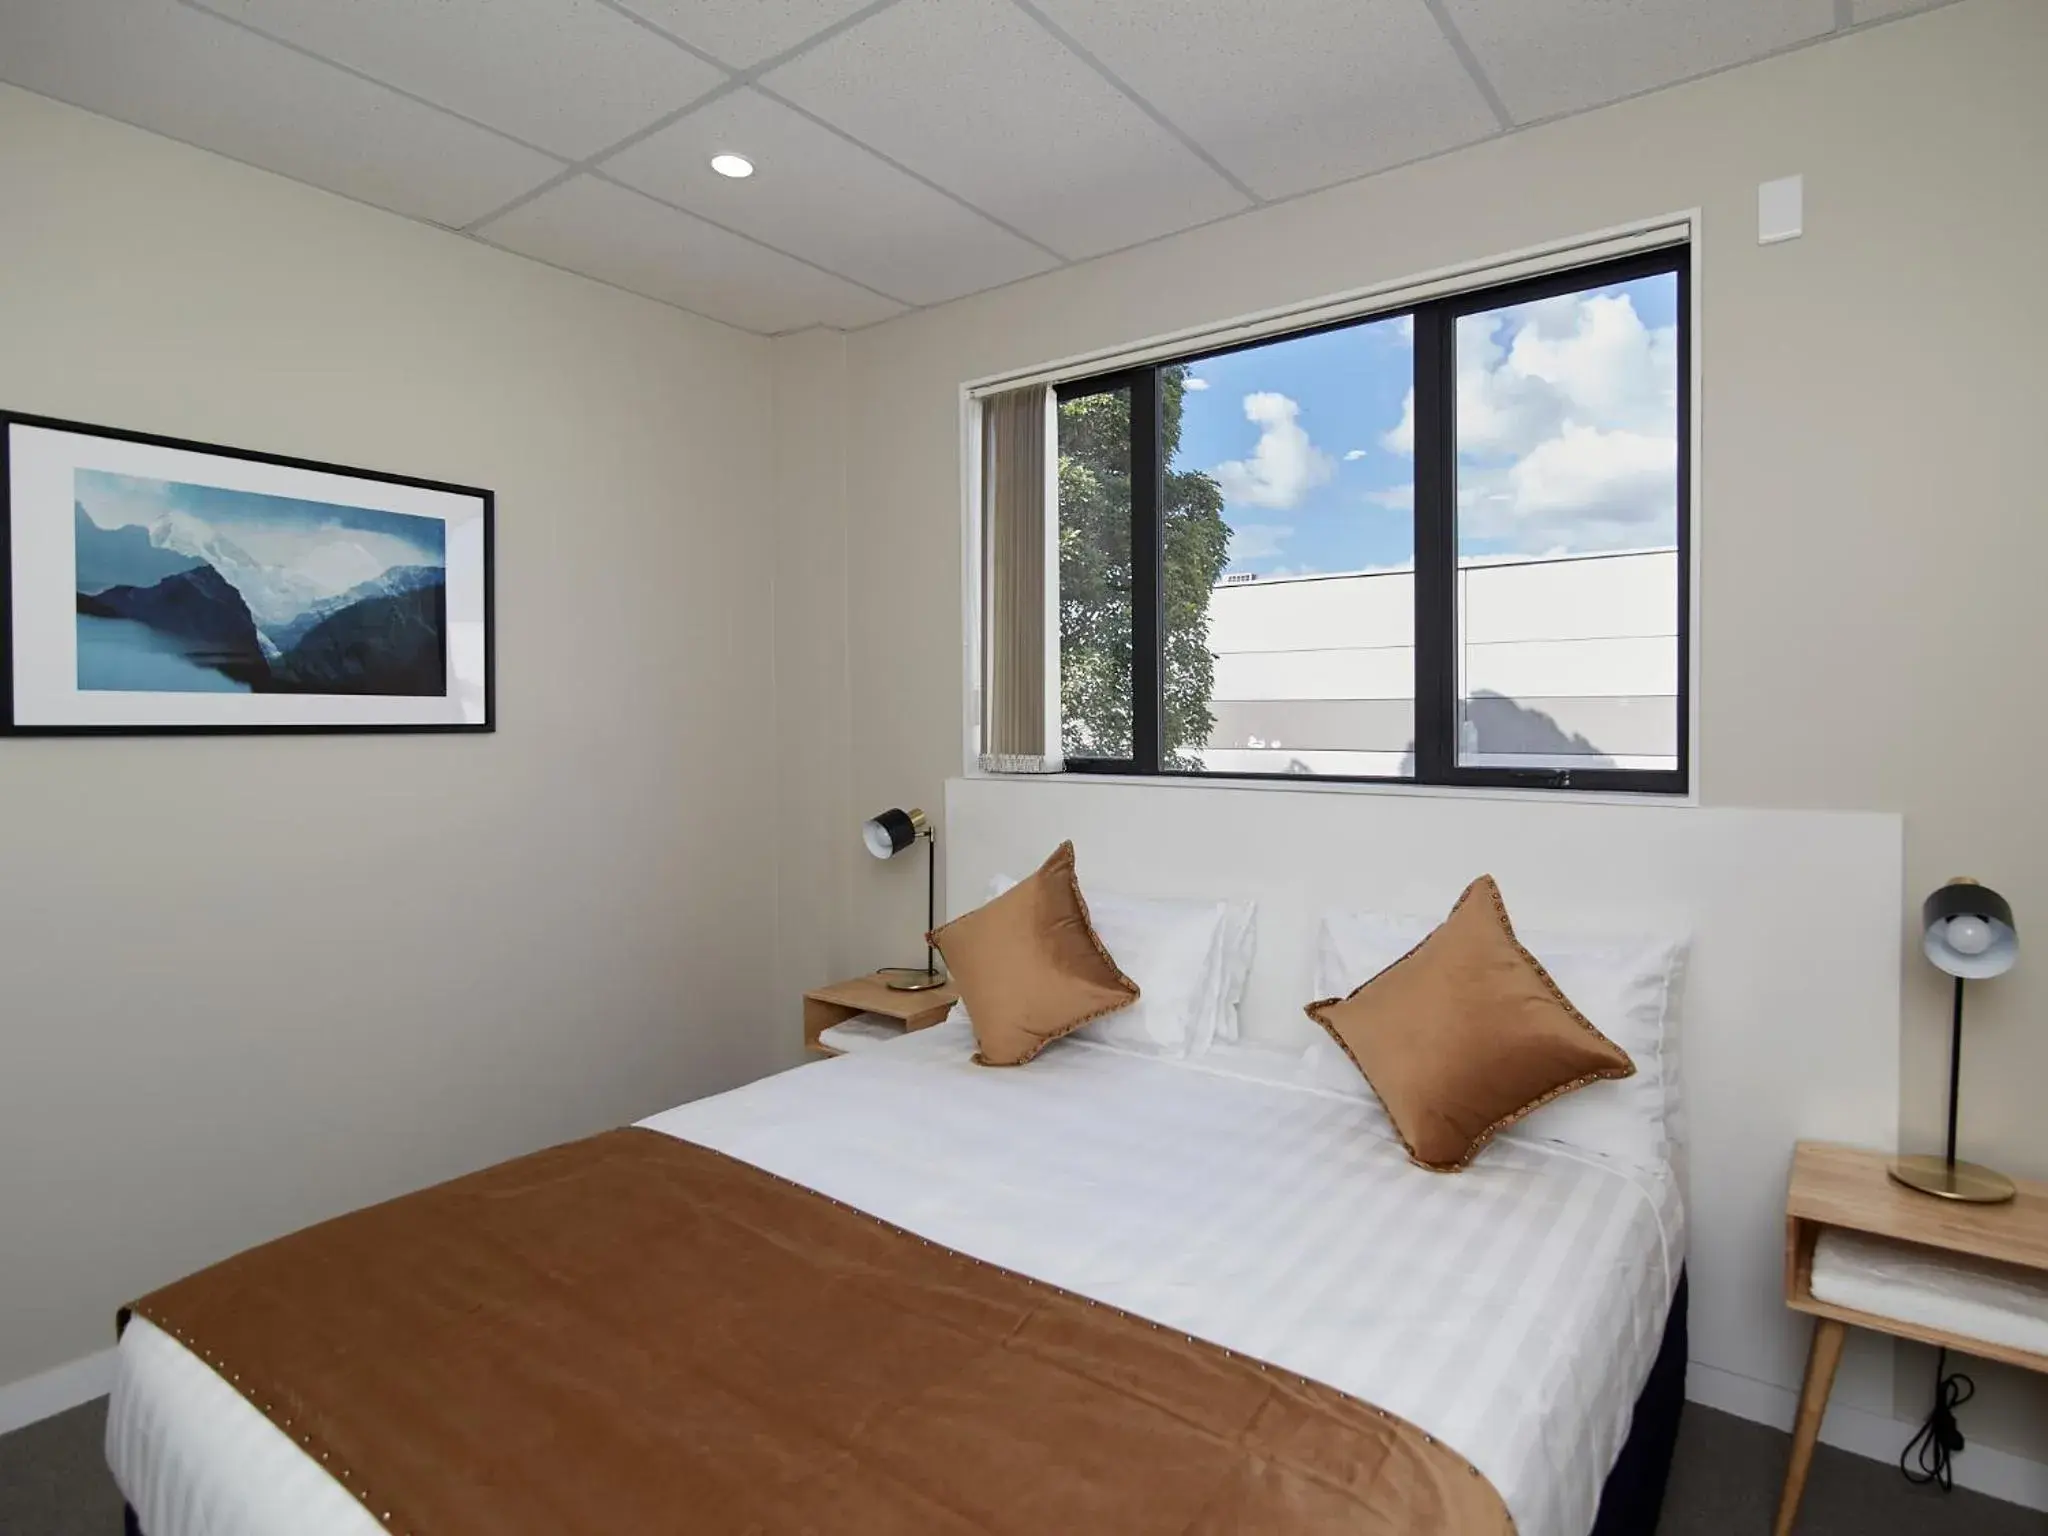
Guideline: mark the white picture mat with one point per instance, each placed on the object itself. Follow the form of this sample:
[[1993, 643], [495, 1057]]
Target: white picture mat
[[1790, 1023], [42, 466]]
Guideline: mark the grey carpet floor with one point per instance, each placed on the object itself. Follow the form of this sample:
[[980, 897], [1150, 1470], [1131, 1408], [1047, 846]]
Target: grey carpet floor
[[53, 1482]]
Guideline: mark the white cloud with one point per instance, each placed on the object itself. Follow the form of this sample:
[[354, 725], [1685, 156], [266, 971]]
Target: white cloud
[[1395, 498], [1193, 384], [1258, 541], [1602, 474], [1352, 456], [1284, 466], [1567, 426], [1400, 438]]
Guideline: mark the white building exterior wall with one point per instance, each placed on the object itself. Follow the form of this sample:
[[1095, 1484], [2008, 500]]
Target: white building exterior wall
[[1565, 660]]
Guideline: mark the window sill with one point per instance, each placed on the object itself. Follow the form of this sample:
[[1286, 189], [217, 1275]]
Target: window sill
[[1307, 784]]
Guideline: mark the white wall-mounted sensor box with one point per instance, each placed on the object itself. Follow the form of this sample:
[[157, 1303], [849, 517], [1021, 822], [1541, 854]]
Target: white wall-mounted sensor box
[[1781, 210]]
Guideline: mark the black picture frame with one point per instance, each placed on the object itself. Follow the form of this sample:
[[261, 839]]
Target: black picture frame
[[10, 639]]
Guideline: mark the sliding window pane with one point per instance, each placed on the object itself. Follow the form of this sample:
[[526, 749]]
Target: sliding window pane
[[1567, 423], [1095, 575], [1290, 556]]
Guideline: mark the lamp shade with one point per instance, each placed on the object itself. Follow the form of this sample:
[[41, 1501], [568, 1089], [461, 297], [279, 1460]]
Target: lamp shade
[[1969, 931], [891, 832]]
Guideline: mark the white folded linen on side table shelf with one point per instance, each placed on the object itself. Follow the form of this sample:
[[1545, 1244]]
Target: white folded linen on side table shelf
[[862, 1032], [1977, 1298]]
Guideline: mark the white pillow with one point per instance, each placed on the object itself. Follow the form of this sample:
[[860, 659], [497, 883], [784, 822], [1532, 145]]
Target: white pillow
[[1186, 955], [1629, 985], [1239, 946]]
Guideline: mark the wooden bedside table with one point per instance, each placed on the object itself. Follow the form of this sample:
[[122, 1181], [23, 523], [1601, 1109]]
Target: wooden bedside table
[[870, 994], [1848, 1188]]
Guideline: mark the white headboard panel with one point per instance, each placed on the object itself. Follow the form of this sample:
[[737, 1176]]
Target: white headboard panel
[[1791, 1016]]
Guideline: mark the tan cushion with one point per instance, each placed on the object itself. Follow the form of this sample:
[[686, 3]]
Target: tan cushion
[[1029, 966], [1467, 1033]]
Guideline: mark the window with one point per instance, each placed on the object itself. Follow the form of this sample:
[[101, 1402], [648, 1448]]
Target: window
[[1445, 545], [1096, 575]]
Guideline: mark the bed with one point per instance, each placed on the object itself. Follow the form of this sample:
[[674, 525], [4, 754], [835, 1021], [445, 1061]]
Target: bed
[[1528, 1312]]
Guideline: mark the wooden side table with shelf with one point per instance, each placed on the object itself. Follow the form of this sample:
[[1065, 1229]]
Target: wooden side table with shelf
[[844, 1000], [1849, 1189]]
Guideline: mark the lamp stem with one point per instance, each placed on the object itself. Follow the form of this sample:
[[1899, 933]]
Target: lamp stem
[[1955, 1071], [931, 921]]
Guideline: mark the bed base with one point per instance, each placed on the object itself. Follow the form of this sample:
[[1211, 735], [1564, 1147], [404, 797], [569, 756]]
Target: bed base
[[1633, 1496]]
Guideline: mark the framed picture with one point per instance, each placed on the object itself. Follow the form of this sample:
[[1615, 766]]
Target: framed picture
[[156, 586]]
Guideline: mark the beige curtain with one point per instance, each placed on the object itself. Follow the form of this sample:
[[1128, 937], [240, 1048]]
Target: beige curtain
[[1020, 659]]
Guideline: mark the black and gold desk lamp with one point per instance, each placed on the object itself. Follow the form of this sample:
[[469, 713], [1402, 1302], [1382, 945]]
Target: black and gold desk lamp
[[1968, 932], [886, 836]]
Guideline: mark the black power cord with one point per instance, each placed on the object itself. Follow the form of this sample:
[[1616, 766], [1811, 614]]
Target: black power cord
[[1939, 1438]]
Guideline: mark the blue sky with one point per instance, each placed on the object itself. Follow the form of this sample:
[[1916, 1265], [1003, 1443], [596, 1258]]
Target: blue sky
[[1567, 435]]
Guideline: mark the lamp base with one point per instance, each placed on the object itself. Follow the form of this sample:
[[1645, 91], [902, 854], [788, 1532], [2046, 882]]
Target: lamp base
[[1970, 1183], [911, 978]]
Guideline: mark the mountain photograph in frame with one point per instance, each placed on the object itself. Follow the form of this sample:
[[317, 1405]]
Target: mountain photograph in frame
[[156, 585]]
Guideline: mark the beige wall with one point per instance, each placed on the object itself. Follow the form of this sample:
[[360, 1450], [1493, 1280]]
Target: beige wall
[[814, 821], [250, 982], [1873, 534]]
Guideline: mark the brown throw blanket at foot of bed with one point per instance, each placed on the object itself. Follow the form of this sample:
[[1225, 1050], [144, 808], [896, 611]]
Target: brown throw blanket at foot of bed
[[632, 1334]]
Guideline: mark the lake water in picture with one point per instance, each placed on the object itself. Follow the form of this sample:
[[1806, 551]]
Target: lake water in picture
[[201, 589], [124, 655]]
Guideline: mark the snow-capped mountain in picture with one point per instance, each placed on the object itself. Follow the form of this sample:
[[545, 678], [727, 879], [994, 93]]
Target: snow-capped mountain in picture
[[191, 588], [395, 582]]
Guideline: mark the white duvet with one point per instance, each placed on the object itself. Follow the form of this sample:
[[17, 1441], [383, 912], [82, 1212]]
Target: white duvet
[[1512, 1310]]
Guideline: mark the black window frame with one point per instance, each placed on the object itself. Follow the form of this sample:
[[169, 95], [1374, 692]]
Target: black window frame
[[1436, 564]]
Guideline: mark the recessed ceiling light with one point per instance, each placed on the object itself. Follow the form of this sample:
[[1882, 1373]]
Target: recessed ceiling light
[[735, 166]]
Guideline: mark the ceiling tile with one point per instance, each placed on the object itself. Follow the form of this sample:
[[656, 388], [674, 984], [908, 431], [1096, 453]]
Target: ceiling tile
[[571, 76], [193, 77], [1550, 56], [743, 33], [1295, 96], [980, 98], [1877, 10], [816, 195], [607, 232]]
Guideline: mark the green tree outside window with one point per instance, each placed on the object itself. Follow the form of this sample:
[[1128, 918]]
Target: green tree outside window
[[1095, 579]]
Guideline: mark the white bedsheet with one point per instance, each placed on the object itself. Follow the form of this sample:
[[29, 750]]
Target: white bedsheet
[[1512, 1310]]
